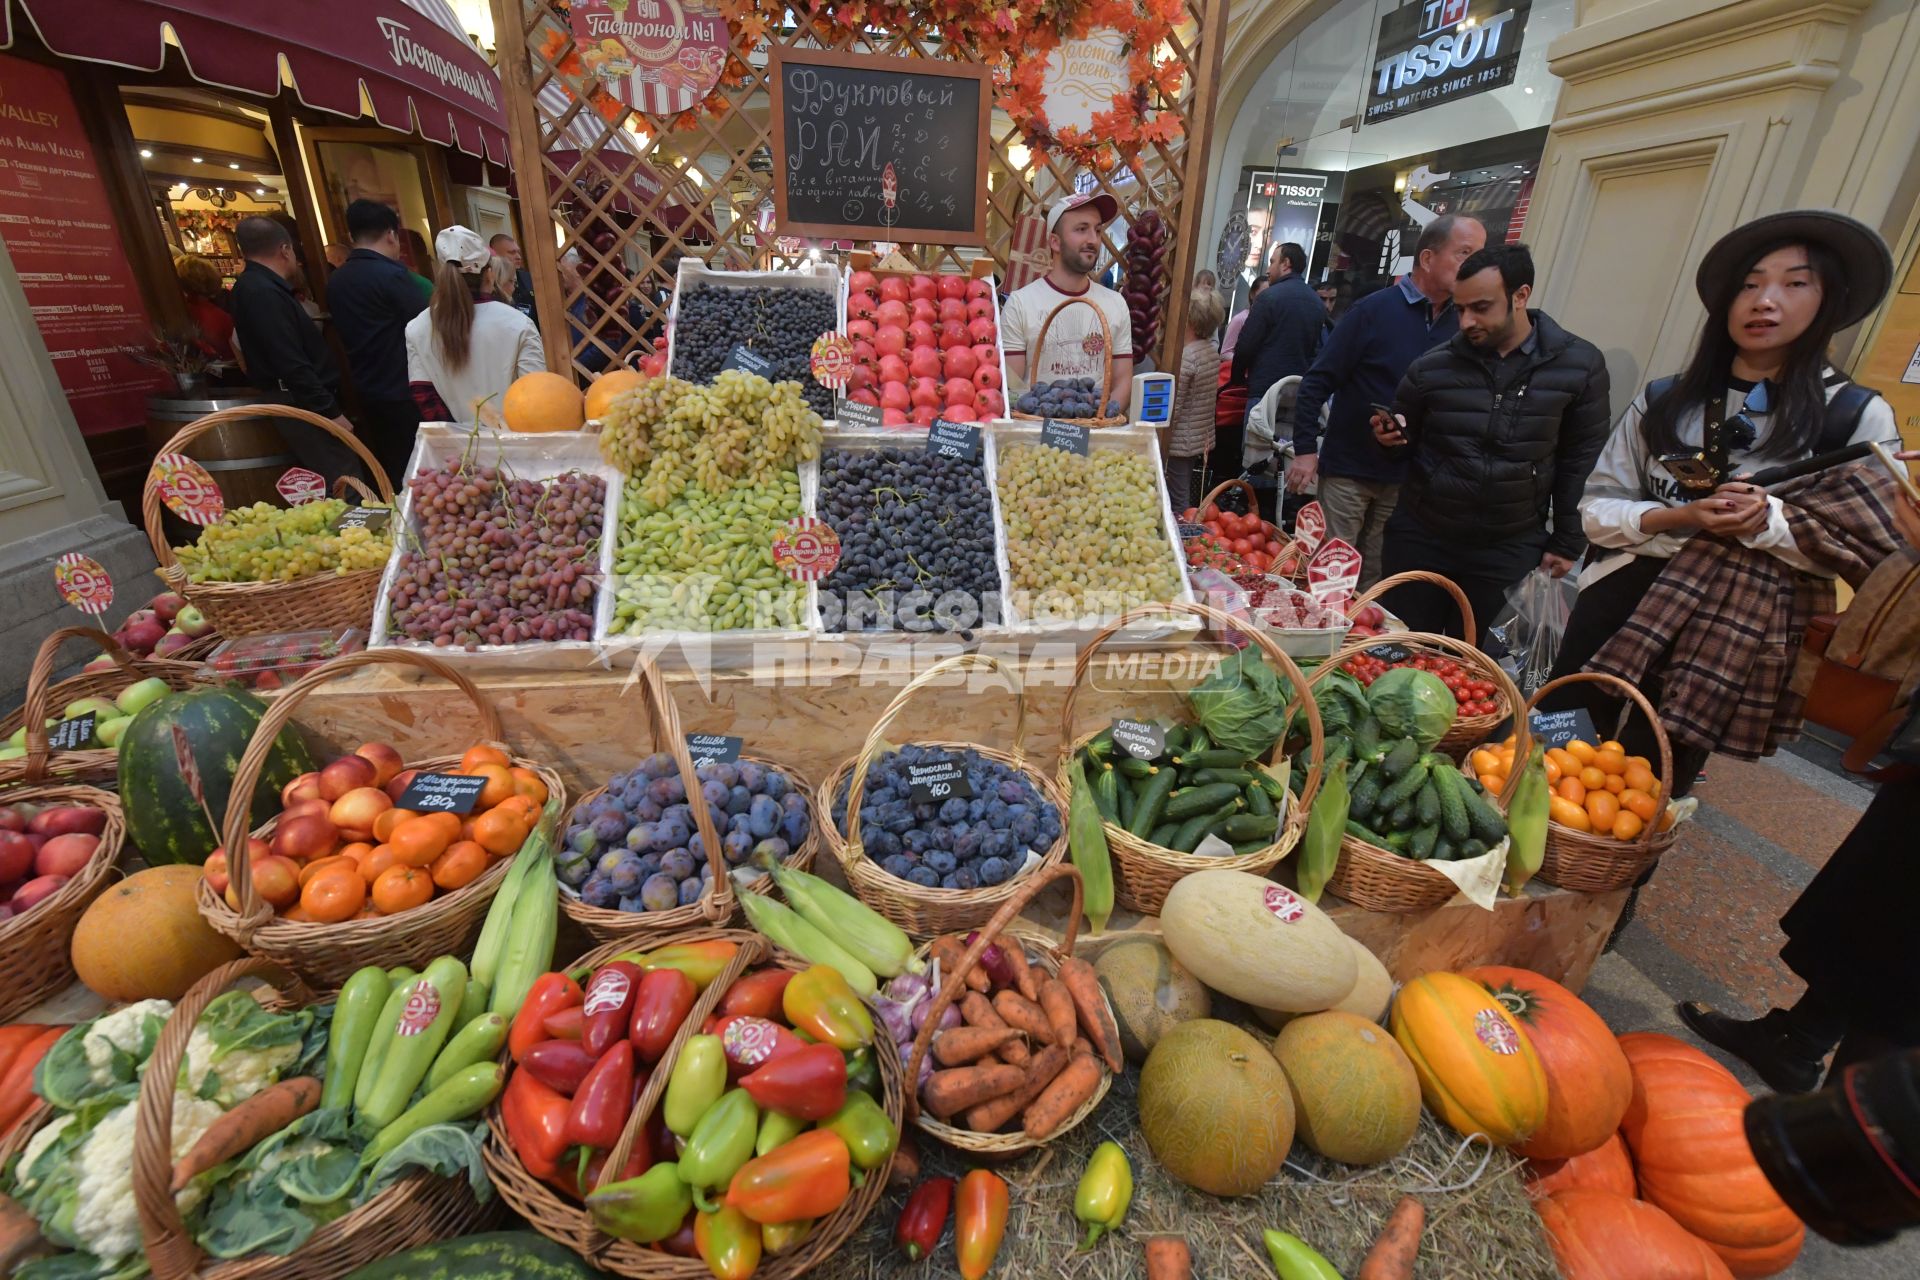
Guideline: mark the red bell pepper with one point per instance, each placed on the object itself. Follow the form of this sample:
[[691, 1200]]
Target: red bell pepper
[[757, 995], [664, 1000], [558, 1064], [609, 1001], [566, 1024], [536, 1120], [820, 1005], [808, 1084], [923, 1218], [807, 1177], [16, 1083], [682, 1243], [550, 993], [604, 1100], [751, 1043], [979, 1221]]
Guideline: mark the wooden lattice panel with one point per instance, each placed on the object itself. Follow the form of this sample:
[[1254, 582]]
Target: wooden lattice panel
[[625, 199]]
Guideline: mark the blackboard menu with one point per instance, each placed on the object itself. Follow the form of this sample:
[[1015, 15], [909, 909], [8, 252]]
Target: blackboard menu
[[880, 148]]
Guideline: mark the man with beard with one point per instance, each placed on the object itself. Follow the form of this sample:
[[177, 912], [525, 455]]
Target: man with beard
[[1076, 346]]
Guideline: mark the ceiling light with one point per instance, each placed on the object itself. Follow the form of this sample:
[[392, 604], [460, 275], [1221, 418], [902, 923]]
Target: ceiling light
[[1529, 88], [1400, 184], [199, 160], [233, 165], [146, 154], [259, 191]]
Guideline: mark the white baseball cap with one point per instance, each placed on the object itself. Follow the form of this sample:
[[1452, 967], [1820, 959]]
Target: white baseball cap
[[463, 247], [1108, 207]]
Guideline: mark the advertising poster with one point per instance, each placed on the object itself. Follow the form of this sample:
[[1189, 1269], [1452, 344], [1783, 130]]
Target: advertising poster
[[1291, 203], [1433, 52], [662, 56]]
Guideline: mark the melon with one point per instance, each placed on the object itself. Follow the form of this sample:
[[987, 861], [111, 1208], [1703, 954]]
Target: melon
[[1477, 1071], [144, 938], [603, 390], [1356, 1098], [1151, 993], [1372, 992], [1257, 941], [543, 402], [1215, 1108]]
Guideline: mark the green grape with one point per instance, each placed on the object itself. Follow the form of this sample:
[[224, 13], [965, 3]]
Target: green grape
[[265, 543], [1085, 535]]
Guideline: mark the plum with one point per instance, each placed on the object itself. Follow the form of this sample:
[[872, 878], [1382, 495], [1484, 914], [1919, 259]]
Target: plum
[[677, 863], [581, 841], [659, 765], [735, 846], [728, 774], [752, 776], [671, 833], [666, 791], [995, 871], [660, 893], [924, 877], [626, 877], [610, 829], [645, 810], [795, 828], [609, 860], [598, 891], [773, 847], [776, 784], [640, 837], [573, 871], [739, 800], [738, 822], [649, 865], [763, 816]]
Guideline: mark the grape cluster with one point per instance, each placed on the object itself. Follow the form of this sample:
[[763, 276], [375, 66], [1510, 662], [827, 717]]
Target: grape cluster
[[914, 528], [776, 322], [635, 847], [1067, 398], [1085, 534], [494, 559], [705, 562], [265, 543], [959, 843], [668, 434]]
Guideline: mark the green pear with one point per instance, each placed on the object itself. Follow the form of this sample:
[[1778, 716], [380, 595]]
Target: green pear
[[102, 708], [137, 697], [109, 731]]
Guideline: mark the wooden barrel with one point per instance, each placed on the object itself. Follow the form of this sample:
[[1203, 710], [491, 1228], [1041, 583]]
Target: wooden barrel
[[244, 458]]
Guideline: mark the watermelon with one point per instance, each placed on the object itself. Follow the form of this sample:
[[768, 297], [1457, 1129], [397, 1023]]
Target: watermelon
[[492, 1255], [216, 722]]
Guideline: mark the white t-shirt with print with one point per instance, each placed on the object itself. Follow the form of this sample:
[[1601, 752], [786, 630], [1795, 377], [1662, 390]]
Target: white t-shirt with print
[[1075, 348]]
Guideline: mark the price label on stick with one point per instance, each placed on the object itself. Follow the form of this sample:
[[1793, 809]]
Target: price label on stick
[[937, 781], [82, 583], [712, 748], [1065, 436], [71, 735], [747, 362], [863, 417], [374, 518], [832, 359], [1143, 740], [442, 793], [1558, 728], [806, 549], [957, 440], [300, 486], [187, 489]]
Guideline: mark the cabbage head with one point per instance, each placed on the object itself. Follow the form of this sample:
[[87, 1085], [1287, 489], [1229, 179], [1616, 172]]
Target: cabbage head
[[1410, 703]]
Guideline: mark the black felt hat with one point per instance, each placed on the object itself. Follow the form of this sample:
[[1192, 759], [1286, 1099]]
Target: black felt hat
[[1865, 261]]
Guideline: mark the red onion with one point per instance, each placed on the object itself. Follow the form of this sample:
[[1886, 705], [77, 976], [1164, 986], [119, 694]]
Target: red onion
[[994, 961]]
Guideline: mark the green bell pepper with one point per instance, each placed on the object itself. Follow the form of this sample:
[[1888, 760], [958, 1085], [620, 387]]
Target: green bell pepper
[[644, 1209], [863, 1073], [777, 1128], [698, 1080], [1105, 1191], [721, 1143], [870, 1136]]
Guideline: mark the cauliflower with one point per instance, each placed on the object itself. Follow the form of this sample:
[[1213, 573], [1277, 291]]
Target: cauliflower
[[125, 1030], [240, 1074], [106, 1222], [36, 1147]]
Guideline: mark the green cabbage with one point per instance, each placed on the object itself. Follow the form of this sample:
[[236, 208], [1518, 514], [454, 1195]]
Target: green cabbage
[[1242, 705], [1410, 703]]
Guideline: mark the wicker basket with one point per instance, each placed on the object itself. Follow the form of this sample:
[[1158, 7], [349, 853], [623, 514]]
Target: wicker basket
[[1143, 872], [1002, 1146], [267, 608], [99, 764], [34, 946], [1467, 731], [923, 912], [1380, 879], [1106, 367], [1595, 864], [567, 1221], [604, 924], [328, 954], [414, 1211]]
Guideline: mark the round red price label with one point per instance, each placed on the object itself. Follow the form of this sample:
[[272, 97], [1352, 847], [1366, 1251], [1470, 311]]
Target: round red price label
[[832, 359], [300, 486], [806, 549], [83, 583], [187, 489]]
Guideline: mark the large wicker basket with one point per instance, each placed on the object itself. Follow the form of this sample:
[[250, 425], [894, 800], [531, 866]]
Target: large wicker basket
[[1467, 731], [924, 912], [717, 907], [1004, 926], [567, 1221], [267, 608], [1593, 863], [35, 946], [1381, 879], [326, 955], [1143, 872], [1101, 419], [44, 695]]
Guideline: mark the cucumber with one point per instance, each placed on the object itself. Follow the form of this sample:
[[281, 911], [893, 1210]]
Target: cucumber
[[1367, 834], [1205, 799], [1127, 799], [1194, 829], [1423, 841], [1258, 801], [1251, 846], [1483, 820], [1337, 750], [1366, 795], [1400, 817], [1400, 758], [1106, 791], [1472, 848], [1238, 777], [1216, 758], [1101, 745], [496, 1255], [1452, 791], [1405, 785], [1398, 840], [1151, 801], [1264, 779], [1163, 834], [1366, 740], [1444, 850], [1136, 769], [1426, 804], [1248, 826]]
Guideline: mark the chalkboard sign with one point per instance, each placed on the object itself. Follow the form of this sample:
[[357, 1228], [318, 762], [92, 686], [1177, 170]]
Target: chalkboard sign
[[1067, 437], [1141, 739], [879, 148], [747, 361], [72, 735], [957, 440], [713, 748], [374, 518], [938, 781], [1558, 728], [442, 793], [865, 417]]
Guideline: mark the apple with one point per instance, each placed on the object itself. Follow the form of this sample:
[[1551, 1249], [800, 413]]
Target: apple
[[1371, 616], [894, 396], [14, 817], [958, 391], [343, 775], [102, 709], [167, 606], [960, 412], [308, 836], [101, 664], [304, 787], [65, 855], [138, 696], [926, 391], [923, 287], [980, 329], [214, 871], [890, 340], [16, 857], [923, 309], [141, 616], [980, 309], [277, 881], [354, 812], [893, 289], [171, 643], [953, 287], [111, 731], [862, 282], [311, 804], [924, 415], [140, 637], [920, 334], [981, 288], [12, 753], [397, 785], [67, 820], [893, 418], [193, 622], [924, 364], [35, 891], [386, 761], [960, 362]]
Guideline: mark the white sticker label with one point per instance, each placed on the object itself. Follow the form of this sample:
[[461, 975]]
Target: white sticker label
[[1496, 1033], [421, 1008], [1285, 904], [607, 991]]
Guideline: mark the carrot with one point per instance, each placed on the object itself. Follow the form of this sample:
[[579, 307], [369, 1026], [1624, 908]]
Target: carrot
[[957, 1046], [977, 1011], [1018, 1011], [233, 1134], [1168, 1258], [1063, 1097], [13, 1038], [954, 1090], [1015, 1053], [1090, 1002], [949, 951], [1025, 980], [16, 1086], [1057, 1004], [1081, 1045], [20, 1238], [988, 1117], [1394, 1250], [905, 1169]]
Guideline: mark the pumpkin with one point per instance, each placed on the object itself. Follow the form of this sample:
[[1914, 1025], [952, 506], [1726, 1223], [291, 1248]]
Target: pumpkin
[[1215, 1109], [1355, 1096], [1477, 1071], [1588, 1083], [144, 938], [1607, 1167], [1689, 1144], [1257, 941], [1596, 1235]]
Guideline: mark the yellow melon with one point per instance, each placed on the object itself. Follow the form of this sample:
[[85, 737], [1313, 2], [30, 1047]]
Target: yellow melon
[[1371, 994], [1151, 992], [1356, 1098], [1215, 1108], [543, 402], [603, 390], [144, 938]]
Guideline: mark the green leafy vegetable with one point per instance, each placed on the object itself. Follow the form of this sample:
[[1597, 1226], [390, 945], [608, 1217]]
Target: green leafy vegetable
[[1410, 703], [1242, 705], [1342, 702]]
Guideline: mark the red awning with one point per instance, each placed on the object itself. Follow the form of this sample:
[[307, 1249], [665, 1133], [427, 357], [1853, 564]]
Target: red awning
[[407, 56]]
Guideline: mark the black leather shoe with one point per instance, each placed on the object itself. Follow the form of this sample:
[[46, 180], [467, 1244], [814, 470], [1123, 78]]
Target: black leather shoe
[[1759, 1043]]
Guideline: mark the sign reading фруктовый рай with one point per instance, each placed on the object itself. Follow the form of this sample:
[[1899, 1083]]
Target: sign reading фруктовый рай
[[1438, 51]]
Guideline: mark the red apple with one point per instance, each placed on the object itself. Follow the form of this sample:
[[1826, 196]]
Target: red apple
[[140, 637], [954, 287], [34, 892], [16, 857], [385, 760], [344, 774], [310, 835], [894, 395], [214, 871], [893, 368], [980, 329], [862, 282], [990, 404], [923, 309], [890, 339], [167, 605], [304, 787], [354, 812], [954, 334], [925, 392], [67, 819], [65, 855], [960, 412], [862, 305], [893, 418], [99, 664], [924, 415], [858, 329], [959, 362], [958, 391], [398, 784], [923, 287], [277, 881], [893, 289], [980, 308], [924, 364], [987, 376], [952, 309], [171, 643], [893, 312], [309, 804]]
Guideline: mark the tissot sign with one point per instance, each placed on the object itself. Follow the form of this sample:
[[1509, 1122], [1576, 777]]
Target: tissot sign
[[1436, 51]]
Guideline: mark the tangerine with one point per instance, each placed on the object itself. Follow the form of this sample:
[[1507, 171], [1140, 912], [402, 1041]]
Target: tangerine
[[460, 865], [1640, 778], [527, 783], [419, 842], [483, 754], [499, 833], [401, 888], [379, 860], [389, 819], [334, 895]]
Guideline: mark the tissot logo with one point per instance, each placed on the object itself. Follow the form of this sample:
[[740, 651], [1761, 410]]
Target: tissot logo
[[1436, 15], [1436, 51], [1452, 50]]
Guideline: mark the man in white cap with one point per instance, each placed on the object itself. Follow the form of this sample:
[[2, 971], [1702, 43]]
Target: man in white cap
[[1076, 347]]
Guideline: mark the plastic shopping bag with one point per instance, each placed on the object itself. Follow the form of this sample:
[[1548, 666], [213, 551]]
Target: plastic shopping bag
[[1532, 624]]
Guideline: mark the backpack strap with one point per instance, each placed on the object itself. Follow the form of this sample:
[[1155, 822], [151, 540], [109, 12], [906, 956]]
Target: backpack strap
[[1843, 416], [1659, 387]]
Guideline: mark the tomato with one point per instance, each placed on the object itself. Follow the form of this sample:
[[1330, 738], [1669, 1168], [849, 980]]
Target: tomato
[[1212, 527], [1273, 547]]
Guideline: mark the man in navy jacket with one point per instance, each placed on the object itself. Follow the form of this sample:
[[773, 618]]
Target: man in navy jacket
[[1283, 330]]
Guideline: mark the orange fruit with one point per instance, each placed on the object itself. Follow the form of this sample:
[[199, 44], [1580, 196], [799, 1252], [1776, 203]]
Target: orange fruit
[[499, 784], [500, 833], [603, 390], [368, 912], [460, 865], [389, 819], [1568, 814], [321, 865], [335, 894], [297, 914], [1602, 808], [1640, 778], [483, 754], [521, 807], [527, 783], [543, 402], [1639, 802], [379, 860], [1615, 783], [401, 889], [1580, 751], [1592, 778], [1610, 762], [447, 822], [1666, 819], [1627, 825], [417, 843], [1572, 790]]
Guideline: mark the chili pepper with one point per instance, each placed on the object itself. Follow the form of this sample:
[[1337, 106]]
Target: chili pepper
[[551, 993], [558, 1064], [698, 1080], [609, 1000], [776, 1129], [721, 1143], [923, 1218], [754, 1042], [701, 961], [536, 1120], [819, 1002], [810, 1082], [804, 1178], [567, 1024], [784, 1237], [642, 1209], [1326, 827], [663, 1002], [1106, 1190], [868, 1132], [979, 1220], [638, 1163], [757, 995], [863, 1073], [729, 1243], [1295, 1259], [603, 1100]]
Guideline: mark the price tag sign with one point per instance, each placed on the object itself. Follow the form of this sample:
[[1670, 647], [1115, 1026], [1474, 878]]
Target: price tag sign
[[863, 417], [72, 735], [938, 780], [957, 440], [82, 583], [442, 793], [1558, 728], [300, 486], [374, 518], [1310, 526], [748, 362], [1143, 740], [187, 489], [1065, 436], [832, 359], [712, 748], [806, 549]]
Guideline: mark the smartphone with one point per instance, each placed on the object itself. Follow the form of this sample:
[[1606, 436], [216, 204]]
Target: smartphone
[[1901, 475], [1692, 470]]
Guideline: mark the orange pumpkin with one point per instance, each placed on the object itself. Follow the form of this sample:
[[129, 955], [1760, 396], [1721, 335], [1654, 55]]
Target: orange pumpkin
[[1596, 1235], [1477, 1071], [1588, 1083], [1690, 1146], [1607, 1167]]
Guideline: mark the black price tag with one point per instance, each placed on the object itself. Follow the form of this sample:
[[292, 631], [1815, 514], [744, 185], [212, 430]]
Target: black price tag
[[1143, 740], [937, 781], [442, 793], [72, 735], [1558, 728], [374, 518], [748, 362], [957, 440], [1065, 436], [712, 748], [864, 417]]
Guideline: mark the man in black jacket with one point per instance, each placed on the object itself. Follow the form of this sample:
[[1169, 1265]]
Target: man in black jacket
[[372, 297], [1503, 424], [1283, 330]]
